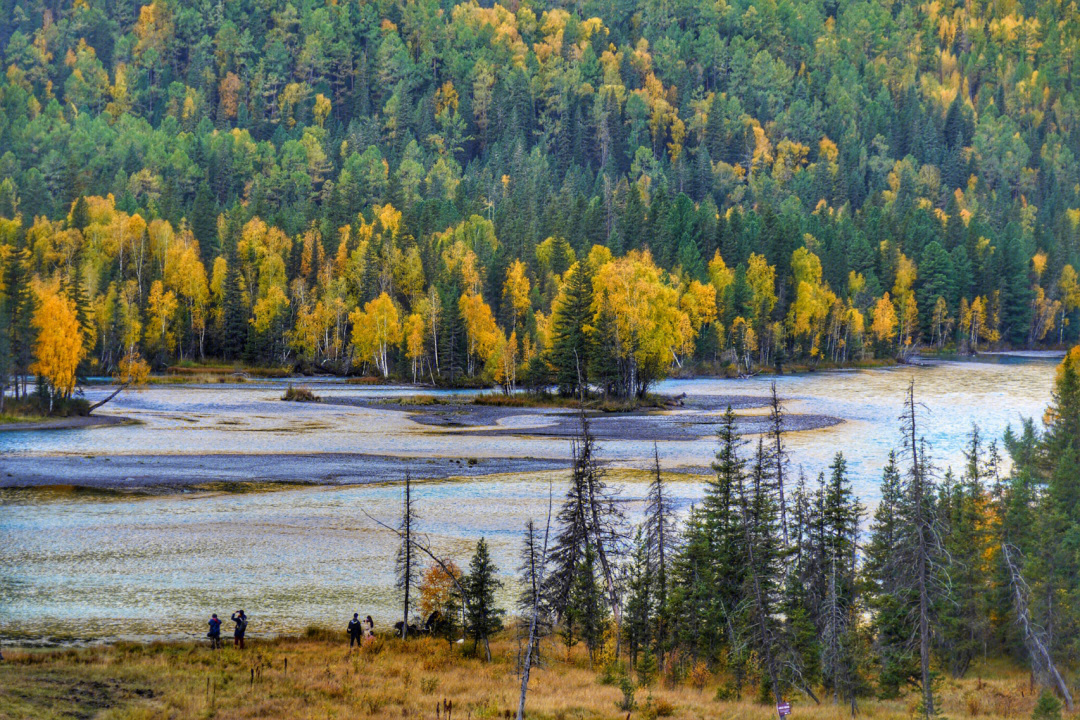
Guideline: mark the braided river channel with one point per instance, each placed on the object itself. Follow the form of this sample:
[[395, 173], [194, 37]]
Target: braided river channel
[[211, 498]]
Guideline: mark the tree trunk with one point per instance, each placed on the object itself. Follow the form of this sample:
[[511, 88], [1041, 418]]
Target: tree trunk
[[115, 392]]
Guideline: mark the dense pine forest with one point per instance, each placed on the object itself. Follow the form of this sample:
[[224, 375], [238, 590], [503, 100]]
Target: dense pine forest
[[528, 194]]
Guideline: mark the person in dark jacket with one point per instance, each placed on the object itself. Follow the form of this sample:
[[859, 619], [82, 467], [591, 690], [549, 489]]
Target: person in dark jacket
[[355, 630], [215, 632], [241, 621]]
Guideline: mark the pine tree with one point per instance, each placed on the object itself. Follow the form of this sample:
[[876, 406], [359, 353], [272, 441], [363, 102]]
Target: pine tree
[[482, 616], [80, 214], [586, 611], [964, 613], [761, 547], [235, 320], [640, 602], [20, 310], [588, 519], [918, 563], [660, 538], [889, 599], [570, 343], [204, 222], [5, 346], [777, 455], [840, 516]]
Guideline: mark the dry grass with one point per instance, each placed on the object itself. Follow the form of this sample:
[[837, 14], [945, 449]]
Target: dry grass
[[391, 679], [299, 393]]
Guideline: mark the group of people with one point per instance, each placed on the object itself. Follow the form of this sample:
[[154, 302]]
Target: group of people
[[359, 630], [241, 621]]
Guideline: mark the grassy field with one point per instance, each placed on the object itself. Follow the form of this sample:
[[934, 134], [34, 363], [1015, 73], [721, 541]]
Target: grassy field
[[317, 676]]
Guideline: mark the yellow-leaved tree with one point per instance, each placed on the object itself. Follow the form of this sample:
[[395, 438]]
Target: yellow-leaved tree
[[516, 290], [59, 346], [651, 329], [884, 323], [481, 333], [813, 301], [414, 334], [375, 329]]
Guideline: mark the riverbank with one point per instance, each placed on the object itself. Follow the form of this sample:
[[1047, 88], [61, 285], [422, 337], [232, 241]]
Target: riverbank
[[59, 423], [316, 675]]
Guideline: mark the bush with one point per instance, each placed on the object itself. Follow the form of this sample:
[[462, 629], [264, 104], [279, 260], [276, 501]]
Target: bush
[[299, 394], [626, 685], [1048, 707]]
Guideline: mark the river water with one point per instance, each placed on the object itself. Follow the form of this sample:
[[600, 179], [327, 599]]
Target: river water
[[78, 566]]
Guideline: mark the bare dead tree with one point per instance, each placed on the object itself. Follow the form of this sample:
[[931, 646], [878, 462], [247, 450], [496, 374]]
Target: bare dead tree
[[421, 543], [406, 558], [1042, 662], [535, 613], [925, 558]]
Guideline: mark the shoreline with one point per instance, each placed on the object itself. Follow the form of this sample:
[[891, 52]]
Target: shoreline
[[65, 423]]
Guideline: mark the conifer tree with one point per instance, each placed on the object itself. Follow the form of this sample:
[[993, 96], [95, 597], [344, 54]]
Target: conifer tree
[[640, 602], [761, 547], [778, 455], [570, 342], [889, 599], [587, 612], [588, 518], [483, 616], [20, 310], [964, 613], [660, 538]]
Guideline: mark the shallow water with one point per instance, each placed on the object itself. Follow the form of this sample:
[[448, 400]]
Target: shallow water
[[98, 566]]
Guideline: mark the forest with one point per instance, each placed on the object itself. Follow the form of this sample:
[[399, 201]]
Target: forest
[[597, 194], [787, 588]]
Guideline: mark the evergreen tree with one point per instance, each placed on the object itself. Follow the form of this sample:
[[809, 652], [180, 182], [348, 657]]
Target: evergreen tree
[[586, 611], [20, 311], [660, 538], [638, 619], [889, 598], [589, 519], [483, 617], [570, 342]]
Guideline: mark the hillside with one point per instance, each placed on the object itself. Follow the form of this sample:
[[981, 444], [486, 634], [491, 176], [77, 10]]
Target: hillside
[[462, 192]]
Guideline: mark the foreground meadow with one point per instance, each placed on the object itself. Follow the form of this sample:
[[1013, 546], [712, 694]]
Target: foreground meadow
[[317, 676]]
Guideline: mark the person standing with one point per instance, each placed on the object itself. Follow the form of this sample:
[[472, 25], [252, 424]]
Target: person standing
[[215, 632], [355, 630], [241, 621], [369, 627]]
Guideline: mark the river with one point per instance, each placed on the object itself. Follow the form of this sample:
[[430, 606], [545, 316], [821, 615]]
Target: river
[[84, 566]]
